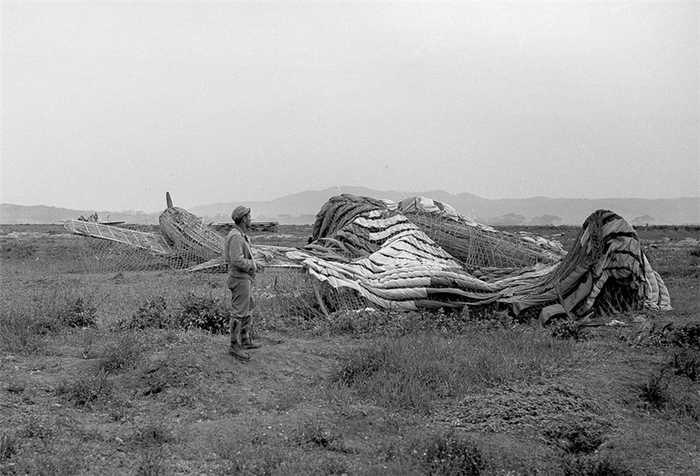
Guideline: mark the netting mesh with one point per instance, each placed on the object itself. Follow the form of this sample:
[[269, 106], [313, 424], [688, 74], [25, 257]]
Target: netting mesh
[[476, 248], [118, 279], [364, 254]]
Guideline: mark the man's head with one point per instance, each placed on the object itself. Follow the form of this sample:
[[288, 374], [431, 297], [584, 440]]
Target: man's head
[[241, 214]]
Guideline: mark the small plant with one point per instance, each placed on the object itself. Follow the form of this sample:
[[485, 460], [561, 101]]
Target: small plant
[[361, 366], [593, 465], [55, 461], [78, 313], [85, 391], [8, 446], [204, 312], [36, 429], [151, 463], [687, 336], [20, 332], [152, 313], [18, 250], [577, 438], [654, 393], [152, 434], [452, 454], [316, 434], [686, 363], [122, 354], [412, 371], [566, 329]]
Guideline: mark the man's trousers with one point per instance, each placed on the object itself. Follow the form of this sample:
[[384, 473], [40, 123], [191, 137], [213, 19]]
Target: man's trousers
[[242, 305]]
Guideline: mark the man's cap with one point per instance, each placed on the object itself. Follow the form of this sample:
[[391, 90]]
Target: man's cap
[[239, 212]]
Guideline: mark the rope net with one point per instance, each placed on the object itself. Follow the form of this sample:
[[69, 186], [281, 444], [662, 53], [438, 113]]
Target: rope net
[[363, 253]]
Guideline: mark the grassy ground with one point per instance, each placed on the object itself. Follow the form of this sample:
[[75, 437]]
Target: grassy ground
[[362, 393]]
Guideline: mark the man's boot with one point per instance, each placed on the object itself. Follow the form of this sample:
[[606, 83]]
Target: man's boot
[[238, 353], [246, 340]]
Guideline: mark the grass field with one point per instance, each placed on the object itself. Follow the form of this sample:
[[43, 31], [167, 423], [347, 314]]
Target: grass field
[[84, 392]]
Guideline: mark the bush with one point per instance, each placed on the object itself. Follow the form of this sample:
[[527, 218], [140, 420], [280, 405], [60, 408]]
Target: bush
[[152, 313], [122, 354], [577, 438], [23, 324], [566, 329], [654, 392], [451, 454], [79, 312], [686, 363], [21, 332], [204, 312], [687, 336], [675, 396]]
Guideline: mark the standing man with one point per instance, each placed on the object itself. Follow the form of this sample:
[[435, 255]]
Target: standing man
[[241, 273]]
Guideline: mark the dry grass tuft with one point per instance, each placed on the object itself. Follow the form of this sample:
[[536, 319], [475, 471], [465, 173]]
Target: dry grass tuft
[[452, 454], [8, 446], [86, 391], [414, 370], [122, 353]]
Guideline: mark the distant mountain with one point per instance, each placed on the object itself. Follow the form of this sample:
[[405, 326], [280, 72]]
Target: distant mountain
[[569, 211], [299, 208]]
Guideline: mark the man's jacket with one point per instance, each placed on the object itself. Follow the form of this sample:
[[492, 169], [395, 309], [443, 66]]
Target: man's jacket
[[239, 256]]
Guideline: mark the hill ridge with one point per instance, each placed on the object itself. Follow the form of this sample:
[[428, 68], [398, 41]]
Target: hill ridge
[[301, 207]]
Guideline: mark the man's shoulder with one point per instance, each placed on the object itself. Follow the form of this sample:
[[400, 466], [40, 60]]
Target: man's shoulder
[[234, 232]]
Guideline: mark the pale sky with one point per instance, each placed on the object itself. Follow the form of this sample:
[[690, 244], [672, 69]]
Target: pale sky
[[109, 105]]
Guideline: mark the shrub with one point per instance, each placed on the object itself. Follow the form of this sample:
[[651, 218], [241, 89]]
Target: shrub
[[23, 324], [20, 332], [85, 391], [317, 434], [654, 392], [566, 329], [204, 312], [686, 336], [152, 313], [451, 454], [121, 354], [578, 437], [695, 252], [686, 363], [79, 312]]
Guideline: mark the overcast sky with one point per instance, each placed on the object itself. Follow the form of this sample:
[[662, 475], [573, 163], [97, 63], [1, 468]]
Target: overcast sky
[[108, 105]]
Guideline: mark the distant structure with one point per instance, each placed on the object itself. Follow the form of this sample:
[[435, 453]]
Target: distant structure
[[643, 220], [546, 220], [91, 218]]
